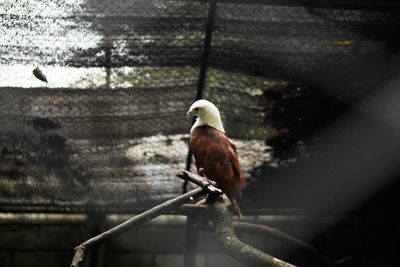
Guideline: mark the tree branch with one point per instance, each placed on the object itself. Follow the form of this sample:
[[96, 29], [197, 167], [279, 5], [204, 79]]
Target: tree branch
[[80, 251], [200, 181], [230, 244], [205, 187], [193, 209], [270, 232], [223, 226]]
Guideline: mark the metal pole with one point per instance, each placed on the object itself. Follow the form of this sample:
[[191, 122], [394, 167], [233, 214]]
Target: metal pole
[[192, 231], [207, 44], [203, 67]]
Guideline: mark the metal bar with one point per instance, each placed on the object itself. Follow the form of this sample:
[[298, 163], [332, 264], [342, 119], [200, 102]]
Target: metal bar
[[188, 164], [206, 50], [11, 218], [96, 220], [108, 45], [192, 234], [203, 68], [192, 231], [333, 4]]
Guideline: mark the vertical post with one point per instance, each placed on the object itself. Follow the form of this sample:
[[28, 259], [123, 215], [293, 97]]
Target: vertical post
[[191, 234], [192, 231], [207, 44], [95, 221], [203, 67], [108, 46]]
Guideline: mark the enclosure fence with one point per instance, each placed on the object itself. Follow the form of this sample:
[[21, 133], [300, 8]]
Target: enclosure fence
[[108, 129]]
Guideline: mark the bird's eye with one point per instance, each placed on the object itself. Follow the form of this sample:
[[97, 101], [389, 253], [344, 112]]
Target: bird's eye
[[196, 109]]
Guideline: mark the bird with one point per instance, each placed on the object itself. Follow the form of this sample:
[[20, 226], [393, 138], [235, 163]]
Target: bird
[[38, 73], [214, 153]]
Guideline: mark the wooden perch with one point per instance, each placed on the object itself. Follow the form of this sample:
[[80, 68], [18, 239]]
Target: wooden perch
[[270, 232], [200, 181], [223, 226], [81, 250], [230, 244], [267, 232], [205, 187]]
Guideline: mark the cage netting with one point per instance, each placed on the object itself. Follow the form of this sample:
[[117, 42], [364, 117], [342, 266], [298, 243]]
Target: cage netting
[[109, 128]]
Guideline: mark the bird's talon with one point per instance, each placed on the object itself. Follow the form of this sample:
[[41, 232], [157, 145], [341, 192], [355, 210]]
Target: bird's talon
[[201, 172]]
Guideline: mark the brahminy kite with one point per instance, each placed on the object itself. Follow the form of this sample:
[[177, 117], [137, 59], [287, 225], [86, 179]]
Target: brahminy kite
[[214, 152]]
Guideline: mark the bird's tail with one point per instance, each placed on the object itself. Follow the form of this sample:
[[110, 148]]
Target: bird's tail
[[236, 207]]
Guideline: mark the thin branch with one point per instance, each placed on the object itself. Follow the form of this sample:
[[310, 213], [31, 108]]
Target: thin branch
[[270, 232], [80, 251], [199, 180], [230, 244], [206, 187]]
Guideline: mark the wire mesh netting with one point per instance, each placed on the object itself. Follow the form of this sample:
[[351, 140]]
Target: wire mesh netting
[[109, 127]]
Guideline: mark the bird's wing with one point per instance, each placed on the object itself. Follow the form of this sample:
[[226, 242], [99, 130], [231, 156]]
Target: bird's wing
[[214, 152], [234, 159]]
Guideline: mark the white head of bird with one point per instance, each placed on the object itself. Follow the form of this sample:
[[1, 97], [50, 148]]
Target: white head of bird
[[207, 114]]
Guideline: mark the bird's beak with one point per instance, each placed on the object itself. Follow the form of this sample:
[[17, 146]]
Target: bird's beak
[[189, 114]]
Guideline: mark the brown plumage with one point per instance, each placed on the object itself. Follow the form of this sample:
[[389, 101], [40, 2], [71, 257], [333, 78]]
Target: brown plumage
[[215, 153]]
